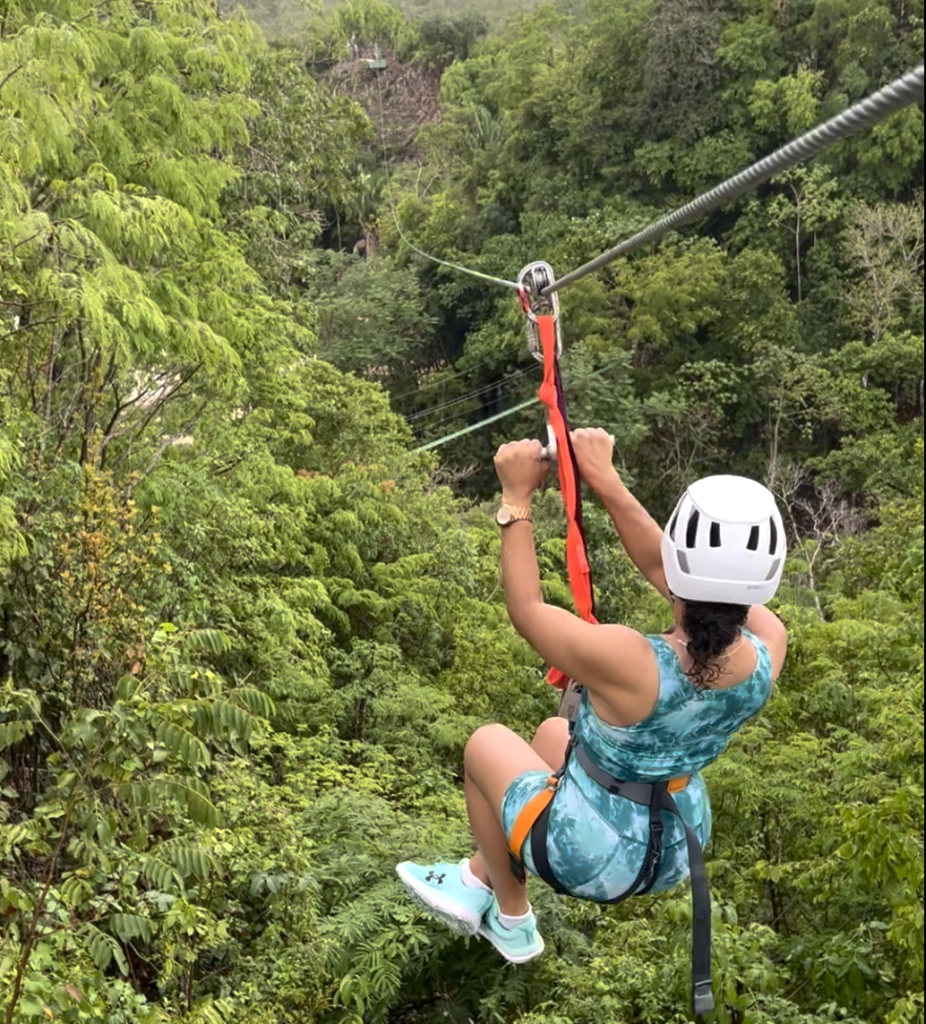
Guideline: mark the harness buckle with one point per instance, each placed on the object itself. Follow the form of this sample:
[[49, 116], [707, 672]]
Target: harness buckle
[[702, 998], [553, 781], [656, 831]]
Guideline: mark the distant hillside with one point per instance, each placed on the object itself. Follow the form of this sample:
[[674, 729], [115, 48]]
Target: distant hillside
[[494, 10], [288, 19]]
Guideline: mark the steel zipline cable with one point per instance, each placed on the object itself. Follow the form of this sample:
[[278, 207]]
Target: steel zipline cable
[[892, 98], [899, 94]]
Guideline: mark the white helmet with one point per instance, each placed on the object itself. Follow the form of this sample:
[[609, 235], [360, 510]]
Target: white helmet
[[725, 543]]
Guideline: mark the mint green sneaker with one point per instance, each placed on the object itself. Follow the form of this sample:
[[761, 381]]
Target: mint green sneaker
[[517, 945], [440, 890]]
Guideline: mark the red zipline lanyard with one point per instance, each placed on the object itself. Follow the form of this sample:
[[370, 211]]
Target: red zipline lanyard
[[553, 397]]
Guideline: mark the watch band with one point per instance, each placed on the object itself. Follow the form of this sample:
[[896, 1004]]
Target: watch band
[[509, 514]]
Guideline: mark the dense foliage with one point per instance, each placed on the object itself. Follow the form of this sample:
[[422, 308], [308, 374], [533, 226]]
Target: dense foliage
[[244, 633]]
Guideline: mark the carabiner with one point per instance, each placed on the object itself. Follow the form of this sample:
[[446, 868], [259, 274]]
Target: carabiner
[[549, 453], [531, 282]]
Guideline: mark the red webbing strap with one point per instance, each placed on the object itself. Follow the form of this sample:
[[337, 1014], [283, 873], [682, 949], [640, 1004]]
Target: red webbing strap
[[553, 397]]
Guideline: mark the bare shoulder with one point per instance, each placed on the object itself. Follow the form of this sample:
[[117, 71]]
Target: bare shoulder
[[619, 659], [628, 649], [602, 657], [766, 625]]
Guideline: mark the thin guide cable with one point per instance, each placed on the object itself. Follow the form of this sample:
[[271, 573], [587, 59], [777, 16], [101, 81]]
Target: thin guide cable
[[470, 395], [434, 259], [443, 381], [476, 426], [899, 94], [453, 417]]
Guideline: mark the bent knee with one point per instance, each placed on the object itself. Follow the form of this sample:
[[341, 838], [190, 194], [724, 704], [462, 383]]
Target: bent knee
[[550, 741], [553, 729], [483, 740]]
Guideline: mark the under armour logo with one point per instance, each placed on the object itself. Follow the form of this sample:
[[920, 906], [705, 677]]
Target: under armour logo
[[435, 878]]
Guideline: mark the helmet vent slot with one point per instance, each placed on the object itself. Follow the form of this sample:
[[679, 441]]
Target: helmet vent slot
[[776, 565], [683, 563], [773, 542], [716, 542], [753, 544], [691, 534], [673, 526]]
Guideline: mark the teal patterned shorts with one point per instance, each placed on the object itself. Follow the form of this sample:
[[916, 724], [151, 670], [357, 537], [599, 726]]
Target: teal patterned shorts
[[596, 842]]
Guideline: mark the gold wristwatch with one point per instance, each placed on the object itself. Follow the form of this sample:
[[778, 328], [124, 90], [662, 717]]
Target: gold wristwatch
[[509, 514]]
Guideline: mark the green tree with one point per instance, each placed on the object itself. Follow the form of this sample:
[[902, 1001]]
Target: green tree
[[244, 636], [297, 171], [373, 21]]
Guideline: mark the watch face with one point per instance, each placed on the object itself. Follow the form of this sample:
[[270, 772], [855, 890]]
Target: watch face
[[503, 516]]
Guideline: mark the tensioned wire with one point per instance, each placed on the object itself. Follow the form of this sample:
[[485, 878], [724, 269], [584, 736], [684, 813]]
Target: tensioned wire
[[894, 97], [482, 423], [899, 94], [470, 395], [434, 259], [441, 381], [445, 380], [454, 417], [478, 275]]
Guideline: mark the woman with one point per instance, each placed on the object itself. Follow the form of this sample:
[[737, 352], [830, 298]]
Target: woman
[[653, 708]]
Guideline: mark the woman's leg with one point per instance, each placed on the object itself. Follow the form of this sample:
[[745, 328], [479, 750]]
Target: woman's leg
[[550, 743], [494, 757]]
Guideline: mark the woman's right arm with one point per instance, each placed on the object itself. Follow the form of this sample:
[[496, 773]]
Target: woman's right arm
[[766, 625], [642, 537], [639, 532]]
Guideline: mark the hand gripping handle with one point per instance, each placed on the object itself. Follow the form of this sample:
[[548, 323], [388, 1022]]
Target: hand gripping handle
[[549, 453]]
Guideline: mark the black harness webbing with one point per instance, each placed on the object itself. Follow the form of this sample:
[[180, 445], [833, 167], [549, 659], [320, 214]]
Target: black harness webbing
[[655, 796]]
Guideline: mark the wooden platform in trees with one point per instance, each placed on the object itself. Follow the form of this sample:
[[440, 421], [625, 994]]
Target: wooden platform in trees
[[400, 99]]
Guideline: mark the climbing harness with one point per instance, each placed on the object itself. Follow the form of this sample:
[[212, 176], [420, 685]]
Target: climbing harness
[[534, 821], [544, 338]]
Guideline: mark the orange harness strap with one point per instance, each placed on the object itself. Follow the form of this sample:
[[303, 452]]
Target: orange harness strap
[[530, 812], [538, 803], [553, 397]]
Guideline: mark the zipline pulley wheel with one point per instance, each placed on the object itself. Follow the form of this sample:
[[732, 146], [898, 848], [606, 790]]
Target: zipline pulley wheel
[[532, 280]]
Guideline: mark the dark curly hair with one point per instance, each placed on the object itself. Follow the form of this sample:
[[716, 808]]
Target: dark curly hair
[[711, 628]]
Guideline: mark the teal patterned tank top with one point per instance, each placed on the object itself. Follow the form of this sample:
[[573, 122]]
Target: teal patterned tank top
[[688, 729]]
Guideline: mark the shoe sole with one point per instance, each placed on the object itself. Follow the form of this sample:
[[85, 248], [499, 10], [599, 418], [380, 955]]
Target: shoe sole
[[489, 936], [442, 912]]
